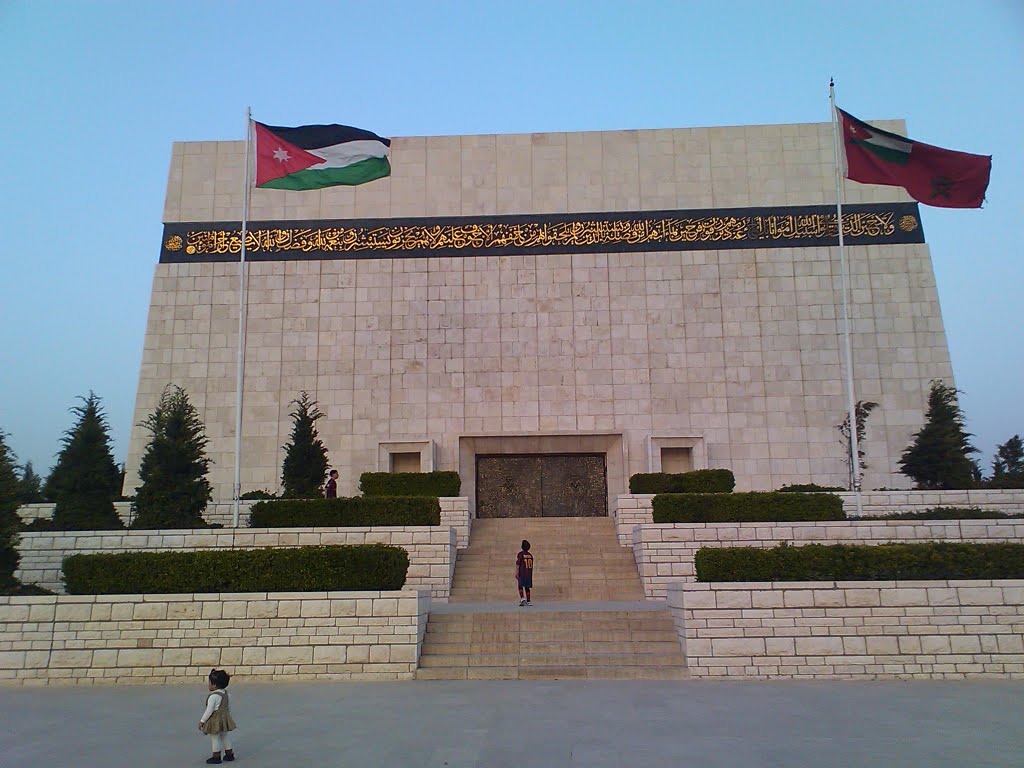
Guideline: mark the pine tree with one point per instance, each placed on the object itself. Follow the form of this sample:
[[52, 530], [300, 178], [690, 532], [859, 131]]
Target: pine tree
[[30, 486], [305, 458], [174, 489], [84, 481], [861, 411], [8, 517], [939, 457], [1008, 464]]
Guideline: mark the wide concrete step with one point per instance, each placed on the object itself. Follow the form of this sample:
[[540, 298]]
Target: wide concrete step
[[522, 644]]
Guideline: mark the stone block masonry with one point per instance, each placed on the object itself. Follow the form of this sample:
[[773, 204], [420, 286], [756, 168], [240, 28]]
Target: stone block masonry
[[431, 548], [918, 629], [119, 639], [636, 509], [454, 512], [664, 553]]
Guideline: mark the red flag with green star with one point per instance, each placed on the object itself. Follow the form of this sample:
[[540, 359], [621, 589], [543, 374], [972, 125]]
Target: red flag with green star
[[931, 175]]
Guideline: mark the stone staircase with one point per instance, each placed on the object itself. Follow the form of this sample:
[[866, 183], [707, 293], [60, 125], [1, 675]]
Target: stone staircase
[[575, 558], [589, 618]]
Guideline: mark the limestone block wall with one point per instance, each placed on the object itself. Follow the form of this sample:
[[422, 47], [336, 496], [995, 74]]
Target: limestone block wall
[[665, 552], [454, 512], [431, 549], [120, 639], [635, 509], [874, 503], [919, 629]]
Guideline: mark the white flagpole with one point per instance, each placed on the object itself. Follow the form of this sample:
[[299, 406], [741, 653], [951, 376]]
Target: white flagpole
[[242, 280], [847, 352]]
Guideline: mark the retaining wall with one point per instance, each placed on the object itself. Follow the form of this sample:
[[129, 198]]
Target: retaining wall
[[664, 552], [635, 509], [431, 548], [919, 629], [90, 639], [454, 513]]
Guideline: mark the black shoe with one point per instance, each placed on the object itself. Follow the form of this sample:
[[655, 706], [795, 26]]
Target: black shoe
[[215, 760], [229, 755]]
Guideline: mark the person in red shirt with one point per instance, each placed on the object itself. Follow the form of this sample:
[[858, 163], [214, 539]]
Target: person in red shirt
[[524, 573], [331, 487]]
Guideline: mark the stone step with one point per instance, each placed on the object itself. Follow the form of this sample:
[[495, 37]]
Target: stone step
[[552, 673]]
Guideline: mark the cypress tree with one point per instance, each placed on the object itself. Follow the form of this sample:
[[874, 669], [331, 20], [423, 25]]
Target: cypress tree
[[84, 483], [30, 486], [1008, 464], [9, 520], [939, 457], [174, 489], [305, 457]]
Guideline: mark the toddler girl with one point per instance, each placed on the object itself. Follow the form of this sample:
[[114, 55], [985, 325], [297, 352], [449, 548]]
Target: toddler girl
[[216, 720]]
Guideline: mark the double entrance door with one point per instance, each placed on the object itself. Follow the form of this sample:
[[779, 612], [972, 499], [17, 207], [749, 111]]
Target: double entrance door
[[541, 485]]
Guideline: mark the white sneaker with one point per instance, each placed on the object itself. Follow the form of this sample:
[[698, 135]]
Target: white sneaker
[[528, 602], [522, 603]]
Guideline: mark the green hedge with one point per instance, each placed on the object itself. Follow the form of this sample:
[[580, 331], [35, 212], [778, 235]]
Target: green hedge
[[358, 511], [298, 569], [845, 562], [698, 481], [810, 488], [947, 513], [410, 483], [746, 507]]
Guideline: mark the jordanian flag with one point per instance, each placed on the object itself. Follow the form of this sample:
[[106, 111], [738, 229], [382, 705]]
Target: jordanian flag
[[316, 156], [931, 175]]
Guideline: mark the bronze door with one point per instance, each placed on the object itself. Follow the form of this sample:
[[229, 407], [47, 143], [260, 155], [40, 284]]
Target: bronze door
[[541, 485]]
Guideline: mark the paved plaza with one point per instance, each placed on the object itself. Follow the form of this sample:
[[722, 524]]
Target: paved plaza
[[460, 724]]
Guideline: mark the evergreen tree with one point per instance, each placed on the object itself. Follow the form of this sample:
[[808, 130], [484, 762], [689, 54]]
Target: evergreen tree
[[861, 411], [9, 520], [305, 457], [939, 458], [30, 486], [84, 481], [173, 469], [1008, 464]]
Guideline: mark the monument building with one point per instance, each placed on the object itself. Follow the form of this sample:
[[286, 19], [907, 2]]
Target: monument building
[[549, 313]]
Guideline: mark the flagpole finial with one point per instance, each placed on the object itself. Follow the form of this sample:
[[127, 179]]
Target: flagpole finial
[[831, 83]]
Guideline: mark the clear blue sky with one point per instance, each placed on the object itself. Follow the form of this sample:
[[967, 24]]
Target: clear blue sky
[[95, 93]]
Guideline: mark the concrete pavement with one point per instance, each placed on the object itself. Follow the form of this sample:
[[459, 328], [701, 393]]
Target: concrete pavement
[[456, 724]]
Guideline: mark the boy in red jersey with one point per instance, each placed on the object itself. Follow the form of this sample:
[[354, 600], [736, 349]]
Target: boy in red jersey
[[524, 573]]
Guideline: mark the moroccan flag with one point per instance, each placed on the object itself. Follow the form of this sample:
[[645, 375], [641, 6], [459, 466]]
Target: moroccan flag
[[931, 175], [315, 156]]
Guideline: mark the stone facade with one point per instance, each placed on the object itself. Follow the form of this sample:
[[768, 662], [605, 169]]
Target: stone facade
[[733, 353], [919, 629], [431, 549], [664, 553], [123, 639]]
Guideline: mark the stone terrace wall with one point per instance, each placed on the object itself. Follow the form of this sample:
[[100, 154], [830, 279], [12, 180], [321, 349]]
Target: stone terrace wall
[[920, 629], [635, 509], [874, 503], [454, 512], [431, 549], [664, 553], [89, 639]]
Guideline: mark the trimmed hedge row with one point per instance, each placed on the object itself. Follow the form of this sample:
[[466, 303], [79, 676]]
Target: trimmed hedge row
[[298, 569], [846, 562], [358, 511], [810, 488], [698, 481], [947, 513], [753, 507], [410, 483]]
